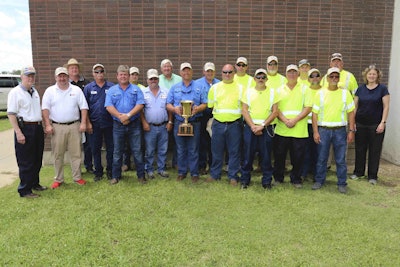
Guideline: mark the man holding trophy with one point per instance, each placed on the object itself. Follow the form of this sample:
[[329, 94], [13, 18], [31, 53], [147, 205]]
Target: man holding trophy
[[187, 102]]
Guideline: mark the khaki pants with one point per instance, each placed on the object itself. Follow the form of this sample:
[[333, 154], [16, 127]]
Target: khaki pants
[[67, 137]]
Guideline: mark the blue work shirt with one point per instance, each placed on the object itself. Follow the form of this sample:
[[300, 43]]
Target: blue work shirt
[[96, 97], [155, 107], [193, 92], [124, 100], [205, 86]]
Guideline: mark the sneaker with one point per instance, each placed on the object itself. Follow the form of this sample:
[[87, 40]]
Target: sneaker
[[342, 189], [114, 181], [80, 182], [55, 185], [195, 179], [31, 195], [233, 182], [150, 175], [244, 186], [163, 174], [373, 181], [97, 178], [355, 177], [125, 168], [316, 186], [142, 180], [267, 186], [298, 185]]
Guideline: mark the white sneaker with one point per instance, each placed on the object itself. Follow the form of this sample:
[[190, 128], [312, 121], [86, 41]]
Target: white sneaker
[[354, 177], [373, 181]]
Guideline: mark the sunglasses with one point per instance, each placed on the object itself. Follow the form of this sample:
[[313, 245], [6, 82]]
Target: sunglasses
[[153, 79], [334, 76], [241, 65], [315, 76], [260, 77], [272, 64], [134, 73], [227, 72], [98, 71]]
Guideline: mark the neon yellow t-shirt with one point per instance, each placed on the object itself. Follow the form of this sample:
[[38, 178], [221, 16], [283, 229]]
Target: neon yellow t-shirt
[[332, 107], [346, 81], [246, 81], [303, 82], [292, 105], [224, 98], [260, 103], [276, 81], [313, 93]]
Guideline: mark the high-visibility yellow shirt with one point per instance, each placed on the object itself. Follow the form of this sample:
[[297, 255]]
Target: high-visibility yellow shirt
[[246, 81], [224, 98], [260, 103], [292, 105], [303, 82], [332, 107], [276, 81], [313, 93], [346, 81]]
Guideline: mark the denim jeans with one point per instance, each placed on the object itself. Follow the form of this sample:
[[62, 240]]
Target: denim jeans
[[338, 139], [226, 135], [252, 144], [96, 142], [156, 140], [131, 132], [187, 148], [311, 155]]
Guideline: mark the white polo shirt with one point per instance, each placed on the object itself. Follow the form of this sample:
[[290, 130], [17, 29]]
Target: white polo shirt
[[64, 105], [21, 103]]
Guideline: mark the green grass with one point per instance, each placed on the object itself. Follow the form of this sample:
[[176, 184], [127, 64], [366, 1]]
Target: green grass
[[5, 124], [170, 223]]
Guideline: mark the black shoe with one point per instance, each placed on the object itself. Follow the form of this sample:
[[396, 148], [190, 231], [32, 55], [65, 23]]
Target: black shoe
[[89, 170], [97, 178], [39, 188], [267, 186], [31, 195], [109, 175]]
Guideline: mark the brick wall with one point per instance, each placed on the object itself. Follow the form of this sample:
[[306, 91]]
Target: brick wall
[[142, 33]]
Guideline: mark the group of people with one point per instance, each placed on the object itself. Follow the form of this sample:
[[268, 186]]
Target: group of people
[[233, 121]]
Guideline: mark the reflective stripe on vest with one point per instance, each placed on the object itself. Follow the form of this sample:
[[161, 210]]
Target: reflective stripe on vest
[[271, 101], [232, 111], [343, 122]]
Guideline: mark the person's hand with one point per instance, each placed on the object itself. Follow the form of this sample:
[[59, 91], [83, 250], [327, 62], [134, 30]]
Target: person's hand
[[49, 129], [169, 126], [20, 138], [82, 127], [380, 128], [178, 110], [350, 137], [89, 128], [317, 137], [146, 126]]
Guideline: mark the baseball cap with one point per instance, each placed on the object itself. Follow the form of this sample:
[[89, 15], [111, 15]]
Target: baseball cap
[[241, 60], [60, 70], [133, 70], [260, 71], [209, 66], [98, 65], [332, 70], [123, 68], [312, 71], [185, 65], [304, 62], [28, 70], [292, 67], [152, 73], [336, 56], [272, 58]]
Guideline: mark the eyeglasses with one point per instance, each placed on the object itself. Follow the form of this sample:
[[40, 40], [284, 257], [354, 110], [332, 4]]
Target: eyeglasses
[[98, 71], [314, 76], [241, 65], [272, 64], [153, 79], [260, 77], [334, 76], [227, 72], [134, 73]]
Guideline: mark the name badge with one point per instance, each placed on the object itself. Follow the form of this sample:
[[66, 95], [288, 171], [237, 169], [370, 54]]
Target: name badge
[[93, 92]]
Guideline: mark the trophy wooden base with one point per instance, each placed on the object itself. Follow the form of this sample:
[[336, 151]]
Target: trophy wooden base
[[185, 129]]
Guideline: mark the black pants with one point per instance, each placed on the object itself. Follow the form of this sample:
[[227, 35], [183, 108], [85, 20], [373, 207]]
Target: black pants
[[29, 157], [367, 139], [296, 148]]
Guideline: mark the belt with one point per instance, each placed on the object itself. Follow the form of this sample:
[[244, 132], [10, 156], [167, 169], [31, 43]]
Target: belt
[[332, 128], [33, 122], [227, 122], [158, 124], [65, 123]]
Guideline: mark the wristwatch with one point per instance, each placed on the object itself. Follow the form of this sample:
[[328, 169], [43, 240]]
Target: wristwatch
[[263, 124], [352, 130]]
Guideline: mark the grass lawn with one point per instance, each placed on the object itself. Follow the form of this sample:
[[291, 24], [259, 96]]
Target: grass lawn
[[170, 223], [4, 123]]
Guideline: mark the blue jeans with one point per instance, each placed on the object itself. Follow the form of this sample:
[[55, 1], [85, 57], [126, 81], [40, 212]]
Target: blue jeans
[[156, 140], [338, 138], [131, 132], [226, 135], [187, 148], [251, 144], [311, 155], [96, 142]]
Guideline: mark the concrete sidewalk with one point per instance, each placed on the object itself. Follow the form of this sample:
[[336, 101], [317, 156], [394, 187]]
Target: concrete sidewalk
[[8, 162]]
